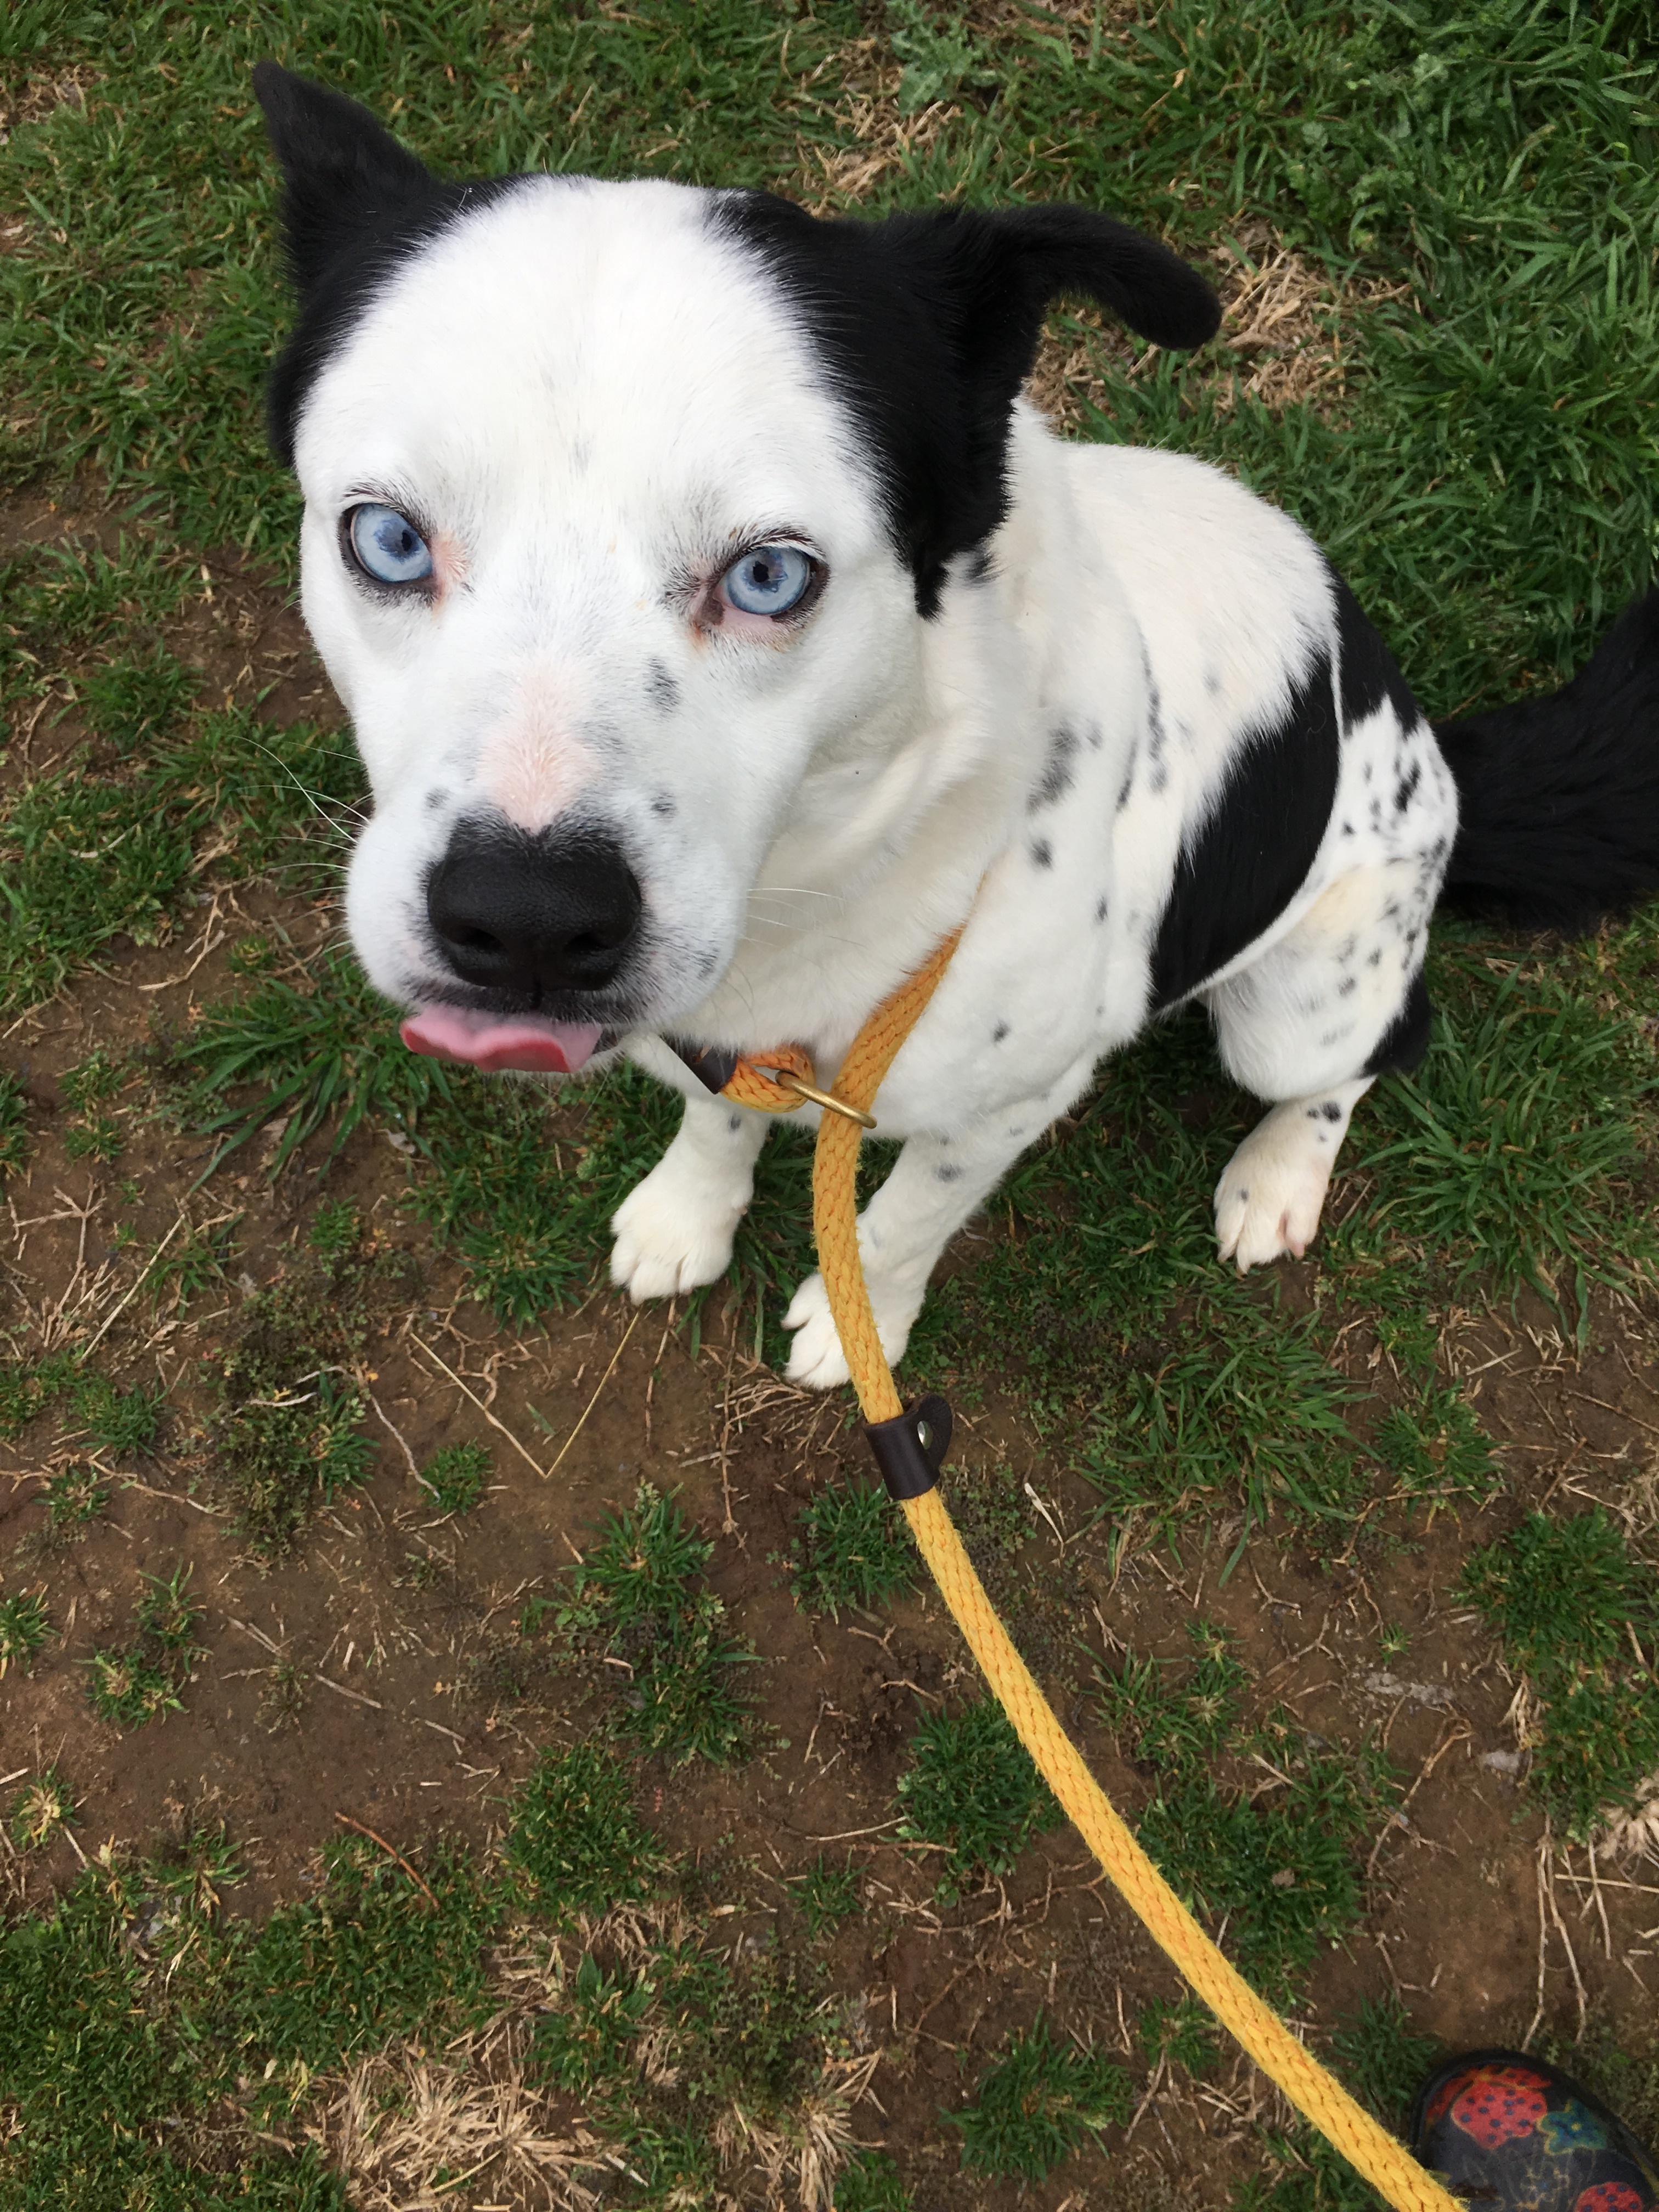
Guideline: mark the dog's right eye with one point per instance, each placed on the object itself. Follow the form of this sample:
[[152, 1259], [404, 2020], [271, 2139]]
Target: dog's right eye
[[387, 546]]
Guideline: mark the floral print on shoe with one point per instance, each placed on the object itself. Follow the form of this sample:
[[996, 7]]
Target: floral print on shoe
[[1512, 2133]]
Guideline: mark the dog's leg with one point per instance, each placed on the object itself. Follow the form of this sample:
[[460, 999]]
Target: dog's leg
[[1312, 1024], [937, 1182], [674, 1230], [1268, 1202]]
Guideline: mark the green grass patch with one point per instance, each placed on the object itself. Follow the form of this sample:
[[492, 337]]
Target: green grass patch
[[1042, 2100], [575, 1838], [13, 1122], [870, 2182], [851, 1547], [828, 1895], [41, 1810], [132, 1685], [1579, 1613], [24, 1627], [973, 1790], [456, 1475], [639, 1600], [1276, 1862]]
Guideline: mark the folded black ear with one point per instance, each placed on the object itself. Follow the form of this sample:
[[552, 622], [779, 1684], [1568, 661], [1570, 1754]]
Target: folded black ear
[[928, 325], [346, 176]]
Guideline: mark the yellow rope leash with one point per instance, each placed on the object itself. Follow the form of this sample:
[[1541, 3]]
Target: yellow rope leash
[[1316, 2093]]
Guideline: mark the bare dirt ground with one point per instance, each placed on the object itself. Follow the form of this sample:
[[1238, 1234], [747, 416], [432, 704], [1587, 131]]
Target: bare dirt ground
[[371, 1673]]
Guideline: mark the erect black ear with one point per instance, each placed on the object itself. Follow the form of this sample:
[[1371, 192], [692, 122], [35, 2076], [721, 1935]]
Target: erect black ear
[[928, 325], [346, 178], [355, 208]]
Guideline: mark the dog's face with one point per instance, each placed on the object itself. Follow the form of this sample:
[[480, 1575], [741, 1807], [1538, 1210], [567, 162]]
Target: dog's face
[[626, 508]]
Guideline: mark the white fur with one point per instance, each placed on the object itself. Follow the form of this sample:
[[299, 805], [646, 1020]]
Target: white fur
[[594, 398]]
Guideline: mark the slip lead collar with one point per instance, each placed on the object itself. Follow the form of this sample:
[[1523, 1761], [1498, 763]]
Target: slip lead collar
[[910, 1448]]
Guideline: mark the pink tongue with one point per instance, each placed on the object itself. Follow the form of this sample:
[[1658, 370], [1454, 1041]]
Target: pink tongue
[[489, 1041]]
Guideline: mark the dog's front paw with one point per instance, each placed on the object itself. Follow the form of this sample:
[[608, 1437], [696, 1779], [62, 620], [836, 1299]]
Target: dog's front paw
[[1269, 1200], [816, 1358], [673, 1234]]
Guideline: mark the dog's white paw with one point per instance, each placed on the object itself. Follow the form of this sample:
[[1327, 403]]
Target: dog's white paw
[[674, 1233], [816, 1358], [1268, 1202]]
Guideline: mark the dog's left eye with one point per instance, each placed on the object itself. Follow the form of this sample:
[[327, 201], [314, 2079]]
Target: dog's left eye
[[387, 546], [769, 581]]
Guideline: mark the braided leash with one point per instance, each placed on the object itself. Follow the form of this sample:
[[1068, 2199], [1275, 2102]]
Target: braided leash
[[909, 1447]]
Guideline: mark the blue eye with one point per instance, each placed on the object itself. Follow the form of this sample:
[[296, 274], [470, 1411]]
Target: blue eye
[[388, 546], [769, 581]]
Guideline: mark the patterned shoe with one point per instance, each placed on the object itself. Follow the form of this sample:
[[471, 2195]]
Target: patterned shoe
[[1512, 2134]]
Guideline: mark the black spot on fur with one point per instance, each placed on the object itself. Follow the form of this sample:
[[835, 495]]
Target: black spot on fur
[[1093, 735], [998, 1032], [436, 799], [664, 692], [1346, 988], [1403, 1043], [1367, 675], [735, 1123], [1102, 907], [1331, 1110], [949, 1173], [355, 206], [1406, 786], [663, 806], [1042, 852], [1253, 850], [1058, 770], [928, 325], [1128, 784]]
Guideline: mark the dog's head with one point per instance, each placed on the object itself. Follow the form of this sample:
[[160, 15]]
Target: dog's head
[[628, 506]]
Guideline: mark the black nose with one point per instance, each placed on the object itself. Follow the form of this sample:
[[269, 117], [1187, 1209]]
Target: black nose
[[533, 916]]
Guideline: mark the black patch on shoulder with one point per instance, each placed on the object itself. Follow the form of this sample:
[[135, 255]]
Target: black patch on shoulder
[[1043, 852], [1367, 674], [665, 692], [1058, 770], [356, 207], [1403, 1043], [1253, 850]]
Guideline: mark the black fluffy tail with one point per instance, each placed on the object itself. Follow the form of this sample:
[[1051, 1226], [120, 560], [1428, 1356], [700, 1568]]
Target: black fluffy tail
[[1559, 796]]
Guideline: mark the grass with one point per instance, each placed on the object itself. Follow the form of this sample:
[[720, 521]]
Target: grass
[[638, 1600], [42, 1808], [1276, 1864], [1480, 188], [1579, 1613], [851, 1547], [456, 1475], [132, 1684], [24, 1627], [973, 1793], [1383, 2059], [1040, 2100], [575, 1838]]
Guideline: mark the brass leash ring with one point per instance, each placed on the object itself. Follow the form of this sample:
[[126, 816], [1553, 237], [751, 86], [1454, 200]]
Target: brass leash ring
[[786, 1080]]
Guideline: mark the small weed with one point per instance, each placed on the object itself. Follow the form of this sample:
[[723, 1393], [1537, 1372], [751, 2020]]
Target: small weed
[[98, 1139], [869, 2182], [124, 1421], [638, 1596], [98, 1077], [286, 1698], [167, 1615], [23, 1628], [851, 1547], [1437, 1449], [192, 1264], [1580, 1615], [1038, 2103], [1177, 1723], [40, 1810], [829, 1895], [13, 1122], [28, 1389], [127, 1688], [575, 1838], [456, 1475], [74, 1496], [1395, 1641], [1183, 2030], [591, 2043], [974, 1790], [336, 1228]]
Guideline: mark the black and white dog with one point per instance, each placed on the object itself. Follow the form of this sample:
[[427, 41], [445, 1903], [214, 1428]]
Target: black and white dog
[[721, 629]]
